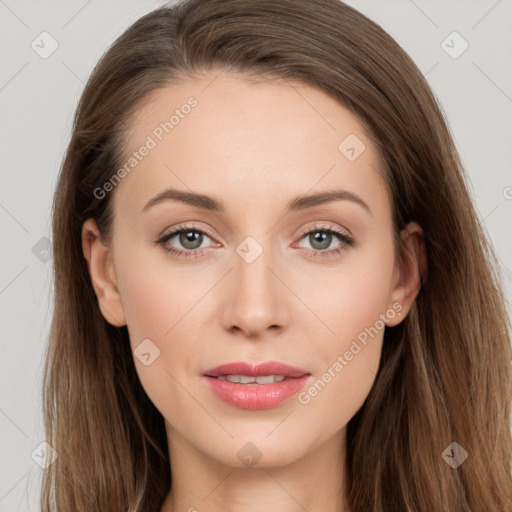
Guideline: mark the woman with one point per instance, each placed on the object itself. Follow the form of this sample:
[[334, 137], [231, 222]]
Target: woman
[[271, 286]]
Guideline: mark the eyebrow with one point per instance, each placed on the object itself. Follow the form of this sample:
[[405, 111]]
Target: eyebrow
[[300, 202]]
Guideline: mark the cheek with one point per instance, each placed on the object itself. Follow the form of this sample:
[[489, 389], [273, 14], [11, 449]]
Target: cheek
[[155, 293], [358, 298], [350, 361], [157, 314], [351, 296], [150, 306], [162, 303]]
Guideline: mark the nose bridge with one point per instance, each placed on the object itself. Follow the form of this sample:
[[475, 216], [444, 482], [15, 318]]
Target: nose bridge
[[256, 298]]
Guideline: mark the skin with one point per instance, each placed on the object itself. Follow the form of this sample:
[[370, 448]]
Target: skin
[[254, 146]]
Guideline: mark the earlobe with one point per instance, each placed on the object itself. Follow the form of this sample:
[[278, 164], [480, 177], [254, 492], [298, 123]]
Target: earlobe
[[101, 270], [410, 271]]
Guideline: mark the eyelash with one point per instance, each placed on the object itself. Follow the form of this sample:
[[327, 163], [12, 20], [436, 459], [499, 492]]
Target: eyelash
[[346, 241]]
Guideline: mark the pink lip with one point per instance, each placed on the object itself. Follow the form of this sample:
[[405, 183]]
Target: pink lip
[[254, 395], [242, 368]]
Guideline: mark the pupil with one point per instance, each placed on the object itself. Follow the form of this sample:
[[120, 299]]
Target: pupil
[[189, 239], [322, 240]]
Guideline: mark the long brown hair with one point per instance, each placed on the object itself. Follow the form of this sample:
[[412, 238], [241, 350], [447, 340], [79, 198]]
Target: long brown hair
[[445, 373]]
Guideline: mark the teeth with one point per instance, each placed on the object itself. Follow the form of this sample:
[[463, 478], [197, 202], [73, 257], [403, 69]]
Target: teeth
[[245, 379]]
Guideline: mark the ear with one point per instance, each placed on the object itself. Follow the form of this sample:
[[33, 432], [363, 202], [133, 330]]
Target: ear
[[101, 269], [410, 271]]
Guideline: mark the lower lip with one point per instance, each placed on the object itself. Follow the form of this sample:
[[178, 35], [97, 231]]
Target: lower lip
[[256, 396]]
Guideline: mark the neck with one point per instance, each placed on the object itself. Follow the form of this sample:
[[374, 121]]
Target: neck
[[314, 482]]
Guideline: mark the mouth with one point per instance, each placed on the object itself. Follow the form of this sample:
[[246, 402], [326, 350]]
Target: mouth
[[247, 373], [263, 386], [248, 379]]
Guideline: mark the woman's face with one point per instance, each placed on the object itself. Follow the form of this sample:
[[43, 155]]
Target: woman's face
[[257, 275]]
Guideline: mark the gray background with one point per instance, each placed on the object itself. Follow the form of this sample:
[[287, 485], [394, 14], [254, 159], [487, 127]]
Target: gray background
[[38, 97]]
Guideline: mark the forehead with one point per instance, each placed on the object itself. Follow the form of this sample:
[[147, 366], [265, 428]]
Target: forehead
[[251, 138]]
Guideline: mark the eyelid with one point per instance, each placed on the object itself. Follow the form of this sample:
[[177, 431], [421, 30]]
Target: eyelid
[[302, 232], [324, 226], [184, 226], [345, 239]]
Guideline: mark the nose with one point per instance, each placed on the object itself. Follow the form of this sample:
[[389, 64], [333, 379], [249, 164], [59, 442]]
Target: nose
[[255, 298]]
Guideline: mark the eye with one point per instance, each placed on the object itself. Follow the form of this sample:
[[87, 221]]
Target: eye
[[320, 239], [189, 237], [191, 240]]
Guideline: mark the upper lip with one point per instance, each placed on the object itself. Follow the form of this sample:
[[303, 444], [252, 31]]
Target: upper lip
[[260, 370]]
